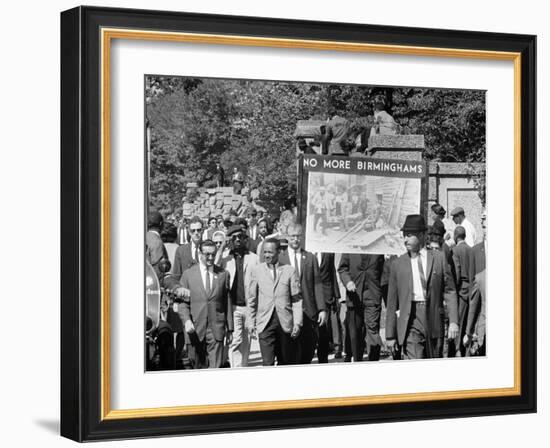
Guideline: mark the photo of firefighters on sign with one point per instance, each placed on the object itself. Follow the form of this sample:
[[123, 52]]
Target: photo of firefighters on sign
[[359, 205]]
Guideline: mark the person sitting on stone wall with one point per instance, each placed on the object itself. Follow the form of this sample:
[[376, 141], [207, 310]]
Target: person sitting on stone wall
[[384, 124]]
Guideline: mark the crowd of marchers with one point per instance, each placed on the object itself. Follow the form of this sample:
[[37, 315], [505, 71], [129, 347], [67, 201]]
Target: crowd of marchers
[[227, 283]]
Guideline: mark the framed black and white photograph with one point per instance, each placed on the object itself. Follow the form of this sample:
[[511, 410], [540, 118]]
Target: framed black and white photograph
[[255, 207]]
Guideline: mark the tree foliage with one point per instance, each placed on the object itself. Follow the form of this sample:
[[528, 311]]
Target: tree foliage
[[250, 124]]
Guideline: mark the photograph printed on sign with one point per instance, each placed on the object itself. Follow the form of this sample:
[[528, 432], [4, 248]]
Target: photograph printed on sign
[[292, 223], [353, 213]]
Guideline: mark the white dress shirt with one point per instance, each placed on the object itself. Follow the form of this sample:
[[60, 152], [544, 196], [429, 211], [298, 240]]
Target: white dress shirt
[[471, 235], [298, 253], [203, 269], [319, 258], [418, 290]]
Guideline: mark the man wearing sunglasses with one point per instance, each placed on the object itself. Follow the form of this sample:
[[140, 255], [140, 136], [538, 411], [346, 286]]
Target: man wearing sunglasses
[[206, 309], [187, 254], [239, 264]]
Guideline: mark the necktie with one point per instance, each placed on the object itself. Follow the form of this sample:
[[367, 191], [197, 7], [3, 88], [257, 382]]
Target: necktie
[[208, 287], [422, 276], [296, 266], [274, 272], [196, 254]]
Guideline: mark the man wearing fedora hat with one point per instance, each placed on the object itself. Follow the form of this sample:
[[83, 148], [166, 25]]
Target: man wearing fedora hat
[[420, 280]]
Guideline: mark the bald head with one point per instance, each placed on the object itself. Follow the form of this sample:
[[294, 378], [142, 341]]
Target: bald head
[[459, 234]]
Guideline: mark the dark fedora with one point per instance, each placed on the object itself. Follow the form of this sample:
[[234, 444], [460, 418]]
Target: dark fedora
[[414, 223]]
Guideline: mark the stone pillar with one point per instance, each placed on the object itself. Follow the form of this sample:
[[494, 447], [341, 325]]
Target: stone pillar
[[407, 147]]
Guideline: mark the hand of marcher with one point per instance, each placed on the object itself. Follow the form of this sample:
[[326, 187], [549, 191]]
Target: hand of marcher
[[228, 337], [322, 318], [189, 327], [182, 292], [453, 331], [251, 330], [466, 339], [350, 286], [295, 331]]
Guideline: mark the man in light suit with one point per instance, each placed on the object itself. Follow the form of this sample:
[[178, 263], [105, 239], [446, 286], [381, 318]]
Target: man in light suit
[[206, 307], [275, 307], [313, 301], [419, 282], [239, 264], [187, 254]]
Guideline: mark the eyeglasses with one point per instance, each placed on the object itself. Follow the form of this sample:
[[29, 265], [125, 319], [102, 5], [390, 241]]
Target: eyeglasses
[[195, 230], [218, 243], [209, 255], [239, 236]]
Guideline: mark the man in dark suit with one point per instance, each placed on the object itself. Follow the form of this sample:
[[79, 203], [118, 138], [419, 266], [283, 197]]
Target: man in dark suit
[[252, 221], [477, 259], [419, 282], [187, 254], [361, 276], [206, 308], [313, 300], [332, 331], [461, 262], [183, 232], [474, 336], [251, 244]]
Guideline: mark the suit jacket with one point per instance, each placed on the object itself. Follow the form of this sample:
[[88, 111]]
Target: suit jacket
[[249, 262], [461, 262], [252, 245], [281, 296], [207, 311], [183, 260], [476, 313], [365, 271], [183, 235], [477, 260], [311, 287], [439, 287], [331, 291], [155, 250]]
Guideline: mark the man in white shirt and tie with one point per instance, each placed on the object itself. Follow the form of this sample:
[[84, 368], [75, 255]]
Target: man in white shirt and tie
[[206, 310], [187, 254], [413, 317], [306, 267]]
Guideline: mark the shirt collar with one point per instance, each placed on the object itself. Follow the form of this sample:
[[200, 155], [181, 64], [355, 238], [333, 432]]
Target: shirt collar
[[291, 250]]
